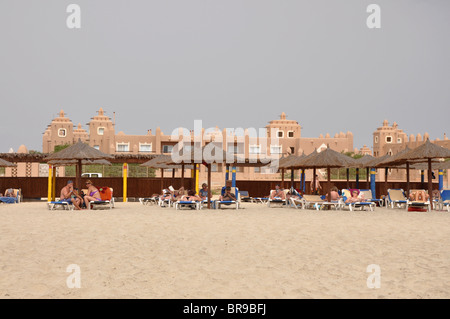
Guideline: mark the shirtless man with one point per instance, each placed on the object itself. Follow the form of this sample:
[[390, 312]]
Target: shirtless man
[[278, 193], [69, 196]]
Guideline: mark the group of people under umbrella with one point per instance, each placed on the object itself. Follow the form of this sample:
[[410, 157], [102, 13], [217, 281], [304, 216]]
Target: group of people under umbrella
[[427, 154]]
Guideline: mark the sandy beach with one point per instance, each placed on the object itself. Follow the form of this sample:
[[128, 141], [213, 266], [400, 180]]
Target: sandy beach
[[136, 251]]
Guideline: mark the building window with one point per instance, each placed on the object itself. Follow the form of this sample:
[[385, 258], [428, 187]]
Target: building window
[[275, 149], [235, 149], [280, 134], [62, 132], [290, 134], [123, 147], [254, 149], [167, 148], [388, 139], [145, 148], [292, 150], [399, 140], [376, 139], [257, 169], [100, 130], [97, 147]]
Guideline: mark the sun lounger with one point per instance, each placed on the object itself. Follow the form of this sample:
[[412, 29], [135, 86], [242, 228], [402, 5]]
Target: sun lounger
[[368, 197], [12, 200], [362, 205], [396, 198], [107, 199], [317, 202], [262, 200], [149, 200], [184, 204], [296, 202], [277, 201], [218, 204], [445, 199], [244, 196], [65, 205], [418, 204]]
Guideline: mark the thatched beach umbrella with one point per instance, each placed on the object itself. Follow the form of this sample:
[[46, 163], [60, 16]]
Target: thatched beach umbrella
[[78, 152], [160, 162], [283, 162], [4, 163], [329, 159], [426, 151], [297, 163]]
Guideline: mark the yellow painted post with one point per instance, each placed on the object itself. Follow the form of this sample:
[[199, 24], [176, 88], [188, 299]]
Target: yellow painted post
[[196, 177], [54, 183], [125, 176], [49, 193]]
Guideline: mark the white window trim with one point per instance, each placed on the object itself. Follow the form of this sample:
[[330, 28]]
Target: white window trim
[[162, 148], [376, 139], [278, 146], [254, 146], [293, 134], [386, 139], [117, 147], [65, 132], [282, 134], [98, 130], [145, 144], [399, 140]]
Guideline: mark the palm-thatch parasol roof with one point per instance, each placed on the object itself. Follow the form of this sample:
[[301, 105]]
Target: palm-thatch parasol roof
[[4, 163], [298, 162], [328, 158], [364, 162], [286, 161], [78, 151], [74, 162], [425, 151]]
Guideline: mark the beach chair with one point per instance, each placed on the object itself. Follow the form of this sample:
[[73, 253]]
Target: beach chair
[[396, 198], [165, 202], [17, 198], [317, 202], [107, 199], [244, 196], [418, 204], [369, 197], [149, 200], [53, 205], [219, 204], [276, 201], [190, 204], [296, 202], [362, 205], [262, 200], [445, 199]]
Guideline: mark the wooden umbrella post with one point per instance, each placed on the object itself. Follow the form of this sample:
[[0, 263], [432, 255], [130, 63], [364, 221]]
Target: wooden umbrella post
[[173, 175], [348, 178], [292, 178], [407, 178], [385, 179], [209, 186], [329, 183], [282, 178], [79, 174], [368, 178], [430, 182], [182, 174], [314, 180], [162, 179]]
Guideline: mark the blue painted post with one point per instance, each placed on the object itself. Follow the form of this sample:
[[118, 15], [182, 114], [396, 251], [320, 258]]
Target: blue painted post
[[227, 173], [233, 177], [372, 182], [304, 181], [441, 179], [357, 178]]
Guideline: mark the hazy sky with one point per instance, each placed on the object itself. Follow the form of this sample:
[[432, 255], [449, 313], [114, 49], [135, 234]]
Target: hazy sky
[[231, 63]]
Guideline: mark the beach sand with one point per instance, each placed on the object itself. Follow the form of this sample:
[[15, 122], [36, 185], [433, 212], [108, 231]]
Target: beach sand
[[136, 251]]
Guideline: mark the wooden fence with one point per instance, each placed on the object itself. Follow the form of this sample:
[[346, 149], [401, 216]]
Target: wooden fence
[[37, 187]]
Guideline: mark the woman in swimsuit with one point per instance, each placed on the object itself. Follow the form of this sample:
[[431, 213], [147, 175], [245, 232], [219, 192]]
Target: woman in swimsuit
[[92, 195]]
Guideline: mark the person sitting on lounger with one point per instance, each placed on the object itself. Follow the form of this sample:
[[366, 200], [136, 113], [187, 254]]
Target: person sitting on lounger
[[292, 195], [334, 195], [278, 193], [191, 197], [92, 195], [203, 193], [9, 193], [419, 196], [228, 196], [354, 198], [67, 195]]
